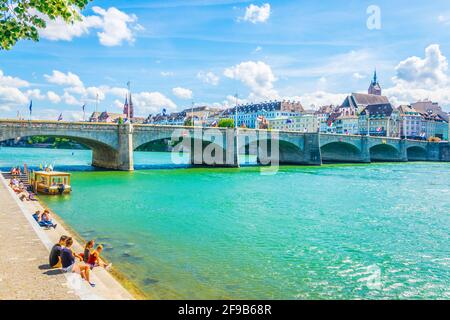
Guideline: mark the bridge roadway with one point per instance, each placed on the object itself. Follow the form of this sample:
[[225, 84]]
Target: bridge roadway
[[113, 144]]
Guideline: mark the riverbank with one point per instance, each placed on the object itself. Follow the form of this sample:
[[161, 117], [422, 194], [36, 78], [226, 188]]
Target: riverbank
[[24, 271]]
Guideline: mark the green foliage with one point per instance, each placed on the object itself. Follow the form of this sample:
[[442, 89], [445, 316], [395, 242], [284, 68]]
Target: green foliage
[[120, 120], [21, 19], [226, 123], [188, 122], [54, 142]]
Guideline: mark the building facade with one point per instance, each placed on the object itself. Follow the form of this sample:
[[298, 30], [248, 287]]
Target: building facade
[[248, 115], [379, 120], [304, 123], [410, 122]]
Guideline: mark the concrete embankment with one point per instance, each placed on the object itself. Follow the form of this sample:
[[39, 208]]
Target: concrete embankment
[[24, 248]]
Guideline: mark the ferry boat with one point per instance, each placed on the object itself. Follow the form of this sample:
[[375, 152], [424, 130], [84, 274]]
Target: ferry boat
[[50, 182]]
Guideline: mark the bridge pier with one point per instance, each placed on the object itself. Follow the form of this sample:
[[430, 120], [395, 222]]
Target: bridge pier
[[125, 156], [365, 150], [403, 151], [120, 159], [445, 151], [433, 151]]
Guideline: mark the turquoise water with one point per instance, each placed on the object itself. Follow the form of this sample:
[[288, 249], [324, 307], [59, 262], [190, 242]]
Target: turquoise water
[[332, 232]]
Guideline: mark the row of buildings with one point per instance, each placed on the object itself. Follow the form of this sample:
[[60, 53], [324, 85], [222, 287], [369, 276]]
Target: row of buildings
[[359, 114]]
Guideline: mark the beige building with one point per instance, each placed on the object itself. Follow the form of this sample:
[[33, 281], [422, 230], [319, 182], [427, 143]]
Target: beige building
[[303, 123]]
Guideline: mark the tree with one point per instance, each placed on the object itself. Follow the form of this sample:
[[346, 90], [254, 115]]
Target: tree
[[188, 122], [226, 123], [21, 19]]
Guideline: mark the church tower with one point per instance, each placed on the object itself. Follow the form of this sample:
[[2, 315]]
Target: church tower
[[128, 108], [375, 87], [130, 101]]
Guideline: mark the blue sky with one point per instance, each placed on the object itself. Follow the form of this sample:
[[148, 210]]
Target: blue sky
[[175, 52]]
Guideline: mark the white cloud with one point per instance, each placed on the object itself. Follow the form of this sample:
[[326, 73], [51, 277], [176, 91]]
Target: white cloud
[[10, 93], [70, 99], [34, 94], [314, 100], [257, 76], [115, 27], [444, 19], [358, 76], [349, 63], [255, 14], [53, 97], [257, 49], [208, 77], [167, 74], [182, 93], [421, 78], [8, 81], [12, 96], [58, 29], [430, 70], [152, 102], [64, 79]]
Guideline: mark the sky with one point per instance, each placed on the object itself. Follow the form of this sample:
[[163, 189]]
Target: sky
[[176, 52]]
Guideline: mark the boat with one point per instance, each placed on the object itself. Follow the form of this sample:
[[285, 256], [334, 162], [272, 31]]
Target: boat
[[50, 182]]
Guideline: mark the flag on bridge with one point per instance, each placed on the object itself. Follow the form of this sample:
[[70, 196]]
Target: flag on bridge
[[60, 117], [379, 129], [31, 107], [288, 121], [84, 111]]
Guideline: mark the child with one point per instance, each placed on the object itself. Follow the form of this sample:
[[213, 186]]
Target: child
[[95, 260]]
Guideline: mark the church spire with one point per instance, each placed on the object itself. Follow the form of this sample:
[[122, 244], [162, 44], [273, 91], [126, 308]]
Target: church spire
[[375, 87]]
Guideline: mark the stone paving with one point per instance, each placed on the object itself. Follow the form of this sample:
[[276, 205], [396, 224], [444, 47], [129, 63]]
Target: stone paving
[[24, 258], [24, 250]]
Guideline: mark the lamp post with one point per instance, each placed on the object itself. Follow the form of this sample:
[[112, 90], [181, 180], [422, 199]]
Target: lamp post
[[236, 111], [192, 113]]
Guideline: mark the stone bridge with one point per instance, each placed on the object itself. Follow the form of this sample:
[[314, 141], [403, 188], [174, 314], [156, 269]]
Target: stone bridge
[[346, 148], [113, 145]]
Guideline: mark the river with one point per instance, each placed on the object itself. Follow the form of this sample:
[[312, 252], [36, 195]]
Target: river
[[378, 231]]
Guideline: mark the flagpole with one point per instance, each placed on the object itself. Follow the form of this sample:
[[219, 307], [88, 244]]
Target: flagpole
[[192, 113], [368, 123], [96, 104], [31, 110]]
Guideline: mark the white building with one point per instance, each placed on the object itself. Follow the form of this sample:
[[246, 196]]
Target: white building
[[410, 122], [303, 123]]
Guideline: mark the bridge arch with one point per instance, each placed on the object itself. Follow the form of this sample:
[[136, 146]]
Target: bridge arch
[[204, 148], [384, 152], [267, 151], [101, 139], [339, 151], [103, 155], [416, 153]]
